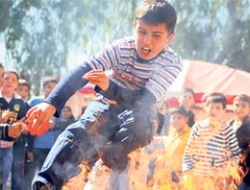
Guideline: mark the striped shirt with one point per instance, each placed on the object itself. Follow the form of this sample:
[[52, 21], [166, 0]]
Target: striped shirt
[[16, 108], [127, 68], [134, 73], [210, 147]]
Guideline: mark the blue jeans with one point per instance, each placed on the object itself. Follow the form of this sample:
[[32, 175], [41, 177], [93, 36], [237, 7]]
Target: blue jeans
[[244, 186], [6, 159], [17, 166], [105, 131]]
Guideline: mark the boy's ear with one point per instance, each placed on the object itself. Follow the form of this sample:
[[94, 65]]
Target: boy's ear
[[170, 38]]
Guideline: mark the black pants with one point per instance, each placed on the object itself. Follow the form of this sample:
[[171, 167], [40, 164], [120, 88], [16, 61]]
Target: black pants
[[106, 131]]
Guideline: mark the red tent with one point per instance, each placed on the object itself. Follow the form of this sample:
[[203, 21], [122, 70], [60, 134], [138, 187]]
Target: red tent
[[205, 78]]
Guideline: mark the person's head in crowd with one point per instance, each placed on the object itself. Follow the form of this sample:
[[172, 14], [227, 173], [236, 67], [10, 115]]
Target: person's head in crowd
[[1, 74], [187, 98], [49, 84], [178, 119], [10, 83], [67, 114], [164, 108], [216, 104], [241, 107], [151, 16], [23, 89]]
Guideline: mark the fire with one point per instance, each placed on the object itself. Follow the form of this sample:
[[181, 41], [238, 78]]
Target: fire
[[154, 167]]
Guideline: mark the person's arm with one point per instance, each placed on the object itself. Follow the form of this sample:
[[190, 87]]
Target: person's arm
[[38, 116], [4, 131], [10, 133], [187, 157], [126, 97], [233, 145], [154, 90], [67, 86]]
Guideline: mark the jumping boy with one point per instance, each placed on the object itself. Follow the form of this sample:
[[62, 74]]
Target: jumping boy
[[119, 121], [212, 148]]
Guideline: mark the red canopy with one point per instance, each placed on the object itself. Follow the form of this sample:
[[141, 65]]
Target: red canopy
[[205, 78]]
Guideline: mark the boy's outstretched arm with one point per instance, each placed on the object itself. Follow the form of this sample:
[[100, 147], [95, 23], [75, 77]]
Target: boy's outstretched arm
[[41, 113]]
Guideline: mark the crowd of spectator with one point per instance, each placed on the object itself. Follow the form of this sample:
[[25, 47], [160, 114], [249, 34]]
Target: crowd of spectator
[[209, 151]]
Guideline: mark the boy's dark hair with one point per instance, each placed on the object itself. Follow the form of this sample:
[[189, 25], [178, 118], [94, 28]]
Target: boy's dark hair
[[23, 82], [190, 90], [48, 80], [67, 107], [243, 97], [217, 97], [156, 12], [1, 65], [13, 72], [180, 110]]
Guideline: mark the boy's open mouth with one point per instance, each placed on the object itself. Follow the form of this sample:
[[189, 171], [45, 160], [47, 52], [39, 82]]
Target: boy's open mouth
[[146, 50]]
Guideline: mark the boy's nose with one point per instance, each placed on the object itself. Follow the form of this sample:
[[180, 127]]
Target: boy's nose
[[147, 39]]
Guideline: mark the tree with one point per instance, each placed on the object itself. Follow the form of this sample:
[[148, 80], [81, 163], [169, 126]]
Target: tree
[[39, 35], [214, 31]]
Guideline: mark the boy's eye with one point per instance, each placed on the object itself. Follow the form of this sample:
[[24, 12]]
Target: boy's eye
[[142, 32], [157, 36]]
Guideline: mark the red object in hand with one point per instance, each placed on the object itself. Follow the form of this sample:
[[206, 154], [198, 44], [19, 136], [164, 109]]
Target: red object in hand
[[40, 131]]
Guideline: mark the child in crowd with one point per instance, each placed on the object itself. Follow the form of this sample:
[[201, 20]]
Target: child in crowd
[[41, 145], [187, 100], [241, 124], [66, 119], [212, 151], [171, 158], [24, 91], [19, 147], [13, 109], [120, 120]]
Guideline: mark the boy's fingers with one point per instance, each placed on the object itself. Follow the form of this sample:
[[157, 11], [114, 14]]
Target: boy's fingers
[[93, 73], [32, 114], [38, 115]]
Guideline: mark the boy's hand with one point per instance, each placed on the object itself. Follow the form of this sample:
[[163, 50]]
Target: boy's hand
[[5, 116], [15, 130], [38, 118], [30, 156], [98, 78]]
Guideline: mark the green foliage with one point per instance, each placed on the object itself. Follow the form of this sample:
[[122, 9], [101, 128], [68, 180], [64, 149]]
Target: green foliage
[[40, 34]]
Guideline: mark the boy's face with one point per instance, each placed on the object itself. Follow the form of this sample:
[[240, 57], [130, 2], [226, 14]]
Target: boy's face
[[178, 121], [1, 76], [150, 40], [23, 91], [10, 82], [186, 100], [241, 109], [66, 113], [215, 111], [48, 88]]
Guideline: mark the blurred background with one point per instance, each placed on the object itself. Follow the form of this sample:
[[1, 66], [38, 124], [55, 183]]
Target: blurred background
[[48, 37]]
